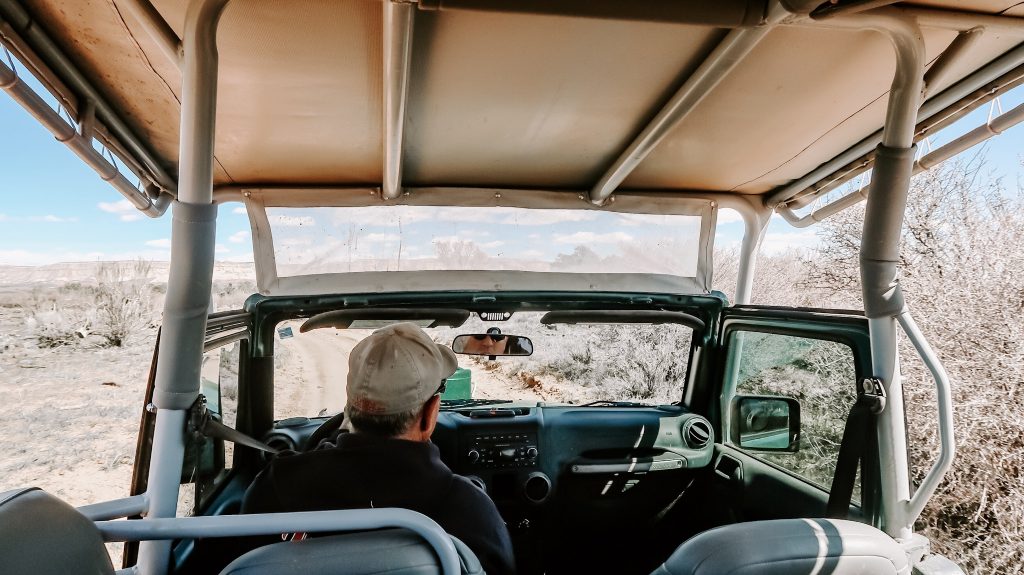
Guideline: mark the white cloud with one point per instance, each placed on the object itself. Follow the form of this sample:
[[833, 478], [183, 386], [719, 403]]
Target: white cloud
[[220, 249], [124, 209], [729, 216], [27, 258], [291, 221], [592, 238], [548, 217], [240, 210], [48, 218], [449, 239], [379, 238], [239, 237], [160, 243], [530, 255], [292, 242], [492, 245]]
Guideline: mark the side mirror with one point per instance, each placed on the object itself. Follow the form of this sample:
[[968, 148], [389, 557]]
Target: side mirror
[[492, 345], [766, 423]]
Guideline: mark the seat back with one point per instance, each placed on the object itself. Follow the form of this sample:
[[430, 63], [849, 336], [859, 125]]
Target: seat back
[[789, 547], [42, 535], [396, 551]]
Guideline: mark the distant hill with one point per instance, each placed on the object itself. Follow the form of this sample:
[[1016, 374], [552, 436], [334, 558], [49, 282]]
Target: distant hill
[[85, 272]]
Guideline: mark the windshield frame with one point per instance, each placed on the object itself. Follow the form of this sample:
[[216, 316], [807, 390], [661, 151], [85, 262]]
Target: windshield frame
[[270, 283]]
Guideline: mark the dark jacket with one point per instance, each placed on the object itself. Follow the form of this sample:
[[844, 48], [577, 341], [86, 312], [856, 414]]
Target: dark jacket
[[365, 471]]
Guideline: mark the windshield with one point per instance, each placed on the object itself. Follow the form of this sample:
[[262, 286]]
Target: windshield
[[571, 364], [414, 238]]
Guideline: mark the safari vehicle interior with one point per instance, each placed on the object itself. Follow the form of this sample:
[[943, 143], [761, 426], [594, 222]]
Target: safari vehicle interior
[[368, 140]]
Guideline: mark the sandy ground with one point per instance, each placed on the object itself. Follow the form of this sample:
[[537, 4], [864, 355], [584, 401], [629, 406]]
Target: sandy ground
[[69, 416]]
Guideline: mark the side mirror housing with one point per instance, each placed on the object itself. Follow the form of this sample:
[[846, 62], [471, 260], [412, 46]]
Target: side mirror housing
[[766, 423]]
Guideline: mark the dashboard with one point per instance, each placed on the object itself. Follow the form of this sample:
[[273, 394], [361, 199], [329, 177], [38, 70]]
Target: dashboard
[[526, 454], [573, 483]]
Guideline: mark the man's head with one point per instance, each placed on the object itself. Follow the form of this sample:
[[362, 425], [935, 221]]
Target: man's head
[[491, 343], [394, 382]]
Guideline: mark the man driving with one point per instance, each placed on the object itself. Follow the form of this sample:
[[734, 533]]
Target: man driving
[[395, 380]]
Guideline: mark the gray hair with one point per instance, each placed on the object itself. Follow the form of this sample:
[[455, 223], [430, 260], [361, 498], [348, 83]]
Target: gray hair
[[391, 425]]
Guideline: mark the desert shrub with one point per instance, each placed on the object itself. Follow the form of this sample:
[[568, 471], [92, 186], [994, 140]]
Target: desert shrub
[[58, 326], [960, 266], [642, 362], [820, 374], [124, 300]]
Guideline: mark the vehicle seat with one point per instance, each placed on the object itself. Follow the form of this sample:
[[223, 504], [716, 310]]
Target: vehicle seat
[[43, 535], [789, 546], [396, 551]]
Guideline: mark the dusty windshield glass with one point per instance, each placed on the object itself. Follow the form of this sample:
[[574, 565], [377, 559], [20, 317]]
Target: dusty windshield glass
[[570, 364], [405, 238]]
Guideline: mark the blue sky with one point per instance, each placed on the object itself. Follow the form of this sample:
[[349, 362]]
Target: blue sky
[[54, 208]]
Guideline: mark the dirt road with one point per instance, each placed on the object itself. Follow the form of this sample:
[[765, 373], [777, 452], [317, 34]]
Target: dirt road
[[312, 370]]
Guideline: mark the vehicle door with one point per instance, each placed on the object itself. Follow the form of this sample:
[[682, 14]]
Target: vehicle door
[[207, 462], [788, 379]]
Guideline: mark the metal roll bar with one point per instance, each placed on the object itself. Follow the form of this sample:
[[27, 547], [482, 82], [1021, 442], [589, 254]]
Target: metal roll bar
[[398, 29], [78, 142], [273, 523], [936, 106], [719, 63], [883, 300], [12, 12], [193, 236], [990, 129]]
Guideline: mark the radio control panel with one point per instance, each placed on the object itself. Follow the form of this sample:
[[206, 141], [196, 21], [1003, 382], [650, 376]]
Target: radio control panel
[[502, 450]]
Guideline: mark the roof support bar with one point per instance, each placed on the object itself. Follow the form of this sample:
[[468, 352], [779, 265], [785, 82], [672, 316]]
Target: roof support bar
[[938, 105], [193, 235], [398, 27], [729, 52], [990, 129], [13, 13], [79, 143], [720, 14], [884, 305], [939, 121], [165, 37], [942, 65]]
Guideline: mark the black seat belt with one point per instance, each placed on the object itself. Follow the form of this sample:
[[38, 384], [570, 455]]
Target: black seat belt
[[858, 435], [201, 421]]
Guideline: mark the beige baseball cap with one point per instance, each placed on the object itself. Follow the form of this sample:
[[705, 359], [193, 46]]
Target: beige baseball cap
[[396, 369]]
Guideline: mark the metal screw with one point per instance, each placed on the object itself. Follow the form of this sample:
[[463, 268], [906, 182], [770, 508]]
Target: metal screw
[[150, 408]]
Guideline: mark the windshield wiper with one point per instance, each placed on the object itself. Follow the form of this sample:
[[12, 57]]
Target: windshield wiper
[[460, 403], [613, 403]]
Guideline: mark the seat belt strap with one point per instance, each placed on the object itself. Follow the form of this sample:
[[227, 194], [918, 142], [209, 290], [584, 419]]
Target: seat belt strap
[[202, 422], [857, 436]]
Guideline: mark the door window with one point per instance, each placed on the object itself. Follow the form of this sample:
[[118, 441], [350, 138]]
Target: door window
[[820, 374], [207, 461]]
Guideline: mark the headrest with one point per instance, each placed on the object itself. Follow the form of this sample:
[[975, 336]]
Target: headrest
[[786, 546], [43, 535], [373, 552]]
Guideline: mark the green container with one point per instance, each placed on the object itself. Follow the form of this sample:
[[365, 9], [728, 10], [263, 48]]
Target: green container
[[459, 386]]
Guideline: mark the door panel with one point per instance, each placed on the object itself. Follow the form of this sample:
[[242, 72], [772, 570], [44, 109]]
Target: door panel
[[815, 357]]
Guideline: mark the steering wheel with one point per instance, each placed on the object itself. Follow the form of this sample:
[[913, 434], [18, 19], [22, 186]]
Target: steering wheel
[[327, 429]]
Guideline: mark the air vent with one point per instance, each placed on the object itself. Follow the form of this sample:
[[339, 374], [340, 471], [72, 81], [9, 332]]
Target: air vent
[[697, 433]]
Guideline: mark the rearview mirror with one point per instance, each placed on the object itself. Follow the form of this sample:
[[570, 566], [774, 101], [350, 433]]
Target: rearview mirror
[[492, 345], [766, 423]]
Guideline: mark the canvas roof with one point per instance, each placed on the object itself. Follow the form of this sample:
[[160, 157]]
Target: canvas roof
[[509, 99]]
